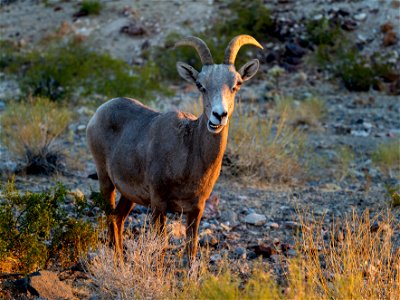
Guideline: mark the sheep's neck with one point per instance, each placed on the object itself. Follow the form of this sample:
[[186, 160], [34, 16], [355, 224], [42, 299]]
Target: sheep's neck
[[212, 146]]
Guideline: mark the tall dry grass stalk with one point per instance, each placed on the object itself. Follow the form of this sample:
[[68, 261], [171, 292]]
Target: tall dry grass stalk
[[147, 271], [358, 261], [265, 148], [355, 259]]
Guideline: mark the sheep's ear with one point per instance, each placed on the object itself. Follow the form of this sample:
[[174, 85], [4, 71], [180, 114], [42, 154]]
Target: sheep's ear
[[249, 69], [187, 72]]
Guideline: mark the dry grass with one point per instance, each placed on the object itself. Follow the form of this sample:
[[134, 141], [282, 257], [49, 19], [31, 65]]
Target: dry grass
[[307, 112], [356, 259], [265, 148], [30, 130], [387, 158], [146, 273]]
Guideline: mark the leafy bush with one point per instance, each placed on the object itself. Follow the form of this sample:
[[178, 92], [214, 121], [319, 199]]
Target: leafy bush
[[358, 72], [245, 17], [61, 71], [36, 228], [90, 7], [30, 129], [323, 31]]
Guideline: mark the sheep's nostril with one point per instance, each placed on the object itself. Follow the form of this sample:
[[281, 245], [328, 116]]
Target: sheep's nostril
[[219, 116]]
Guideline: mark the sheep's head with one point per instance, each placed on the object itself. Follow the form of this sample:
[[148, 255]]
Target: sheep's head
[[218, 83]]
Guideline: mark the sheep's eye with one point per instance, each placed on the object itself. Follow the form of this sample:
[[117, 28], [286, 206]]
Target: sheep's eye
[[200, 87]]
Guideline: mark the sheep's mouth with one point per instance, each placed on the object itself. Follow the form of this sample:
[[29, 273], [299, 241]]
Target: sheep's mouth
[[214, 128]]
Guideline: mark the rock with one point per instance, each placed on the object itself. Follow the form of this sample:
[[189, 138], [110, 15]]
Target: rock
[[133, 29], [208, 239], [360, 17], [215, 258], [47, 285], [295, 50], [264, 250], [2, 105], [349, 25], [240, 252], [255, 219], [81, 127], [229, 217], [292, 225], [389, 39], [272, 225], [387, 27]]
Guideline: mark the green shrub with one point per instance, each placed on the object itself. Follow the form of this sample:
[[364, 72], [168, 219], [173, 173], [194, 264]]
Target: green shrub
[[323, 31], [251, 17], [37, 227], [61, 71], [387, 157], [90, 7], [31, 129]]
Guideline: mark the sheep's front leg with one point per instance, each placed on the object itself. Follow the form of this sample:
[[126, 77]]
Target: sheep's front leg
[[192, 228], [122, 211]]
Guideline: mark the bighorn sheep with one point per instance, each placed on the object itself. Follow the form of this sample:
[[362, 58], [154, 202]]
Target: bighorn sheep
[[168, 161]]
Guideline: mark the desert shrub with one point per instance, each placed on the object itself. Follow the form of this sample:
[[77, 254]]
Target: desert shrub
[[90, 7], [30, 130], [37, 227], [323, 31], [264, 148], [358, 260], [249, 17], [309, 111], [146, 271], [387, 158], [345, 157], [358, 72], [394, 195], [60, 71]]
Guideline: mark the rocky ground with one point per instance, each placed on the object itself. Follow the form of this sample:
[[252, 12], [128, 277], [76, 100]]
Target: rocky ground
[[242, 219]]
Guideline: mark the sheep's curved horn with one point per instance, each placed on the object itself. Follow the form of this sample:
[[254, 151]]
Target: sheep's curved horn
[[234, 46], [200, 46]]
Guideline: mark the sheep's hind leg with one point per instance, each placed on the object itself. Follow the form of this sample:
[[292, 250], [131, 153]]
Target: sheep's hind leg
[[122, 211], [159, 219]]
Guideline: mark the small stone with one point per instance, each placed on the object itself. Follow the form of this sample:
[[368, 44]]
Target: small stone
[[240, 252], [81, 127], [215, 258], [318, 17], [292, 225], [229, 216], [291, 253], [264, 250], [389, 39], [360, 17], [255, 219], [208, 239], [272, 225]]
